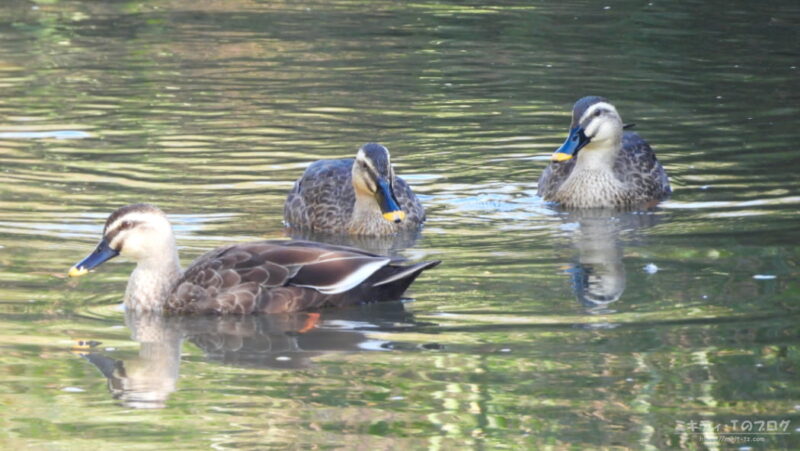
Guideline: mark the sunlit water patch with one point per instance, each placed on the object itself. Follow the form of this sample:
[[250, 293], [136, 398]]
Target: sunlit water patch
[[541, 328]]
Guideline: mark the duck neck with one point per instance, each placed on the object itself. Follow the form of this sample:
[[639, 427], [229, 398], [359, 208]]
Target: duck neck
[[152, 281], [599, 157], [367, 217]]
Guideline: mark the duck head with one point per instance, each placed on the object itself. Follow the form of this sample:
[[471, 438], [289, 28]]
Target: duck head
[[373, 176], [140, 232], [596, 127]]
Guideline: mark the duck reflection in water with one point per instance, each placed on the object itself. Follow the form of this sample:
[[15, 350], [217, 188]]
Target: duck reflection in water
[[283, 341], [598, 275]]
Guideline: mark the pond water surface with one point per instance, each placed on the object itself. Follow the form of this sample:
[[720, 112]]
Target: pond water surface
[[674, 328]]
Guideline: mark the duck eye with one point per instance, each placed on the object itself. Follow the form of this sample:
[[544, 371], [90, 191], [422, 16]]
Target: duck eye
[[126, 224], [597, 113]]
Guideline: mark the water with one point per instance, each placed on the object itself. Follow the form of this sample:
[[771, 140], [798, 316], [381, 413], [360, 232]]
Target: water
[[539, 329]]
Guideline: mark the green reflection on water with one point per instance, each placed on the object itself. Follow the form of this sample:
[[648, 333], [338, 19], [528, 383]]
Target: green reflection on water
[[540, 329]]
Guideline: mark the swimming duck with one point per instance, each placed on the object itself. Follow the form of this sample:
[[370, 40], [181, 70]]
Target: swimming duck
[[258, 277], [601, 165], [356, 196]]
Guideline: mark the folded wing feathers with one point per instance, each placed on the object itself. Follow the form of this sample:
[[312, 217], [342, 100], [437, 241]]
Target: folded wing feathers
[[337, 275], [328, 269], [406, 272]]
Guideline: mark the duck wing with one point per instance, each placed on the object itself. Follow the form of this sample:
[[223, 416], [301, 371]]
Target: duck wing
[[553, 176], [415, 212], [637, 164], [323, 197], [272, 277]]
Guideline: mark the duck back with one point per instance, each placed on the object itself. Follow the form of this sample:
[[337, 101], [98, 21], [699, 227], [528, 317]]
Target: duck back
[[288, 276]]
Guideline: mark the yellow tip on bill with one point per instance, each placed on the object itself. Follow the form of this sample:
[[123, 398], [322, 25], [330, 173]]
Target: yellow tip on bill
[[77, 272], [85, 345], [560, 156], [395, 216]]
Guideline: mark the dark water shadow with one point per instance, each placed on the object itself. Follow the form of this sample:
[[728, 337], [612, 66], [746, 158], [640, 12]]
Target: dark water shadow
[[286, 342]]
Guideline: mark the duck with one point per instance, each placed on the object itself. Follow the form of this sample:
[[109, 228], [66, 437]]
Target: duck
[[353, 196], [601, 165], [272, 276]]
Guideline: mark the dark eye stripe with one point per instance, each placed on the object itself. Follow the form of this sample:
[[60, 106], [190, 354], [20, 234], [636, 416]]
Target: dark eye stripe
[[372, 173], [125, 225], [369, 170], [595, 114]]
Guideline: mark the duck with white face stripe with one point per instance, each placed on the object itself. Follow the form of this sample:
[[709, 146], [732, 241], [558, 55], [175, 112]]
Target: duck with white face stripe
[[353, 196], [257, 277], [602, 166], [373, 177]]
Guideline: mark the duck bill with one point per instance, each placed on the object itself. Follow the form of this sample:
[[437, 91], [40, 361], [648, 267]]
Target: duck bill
[[388, 202], [575, 142], [101, 254]]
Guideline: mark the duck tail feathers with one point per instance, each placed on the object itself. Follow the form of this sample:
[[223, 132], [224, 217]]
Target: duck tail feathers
[[406, 274]]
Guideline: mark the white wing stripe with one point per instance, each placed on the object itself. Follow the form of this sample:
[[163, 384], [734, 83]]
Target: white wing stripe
[[353, 279]]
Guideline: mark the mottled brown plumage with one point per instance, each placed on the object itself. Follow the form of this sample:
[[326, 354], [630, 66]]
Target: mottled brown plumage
[[286, 276], [612, 168], [258, 277], [328, 199]]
